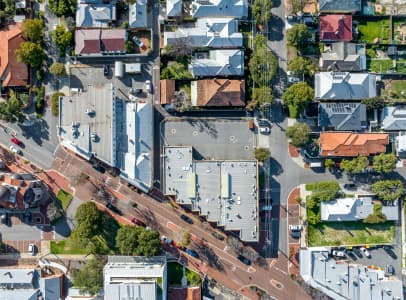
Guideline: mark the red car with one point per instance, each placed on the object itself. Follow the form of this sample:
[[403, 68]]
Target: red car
[[16, 141], [137, 222]]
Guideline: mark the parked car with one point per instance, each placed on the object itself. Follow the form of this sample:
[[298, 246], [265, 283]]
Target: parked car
[[295, 234], [365, 251], [338, 253], [244, 260], [138, 42], [14, 149], [16, 141], [264, 130], [4, 218], [31, 249], [389, 270], [295, 227], [350, 254], [350, 186], [263, 123], [357, 252], [114, 209], [186, 219], [148, 86], [217, 236], [293, 79], [99, 168], [192, 252], [137, 222], [166, 240], [106, 70]]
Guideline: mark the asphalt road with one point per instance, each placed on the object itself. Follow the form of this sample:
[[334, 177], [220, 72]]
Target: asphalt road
[[20, 232]]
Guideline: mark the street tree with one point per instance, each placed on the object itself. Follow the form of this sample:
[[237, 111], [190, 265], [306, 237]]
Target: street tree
[[148, 243], [62, 7], [90, 278], [31, 54], [33, 30], [355, 165], [183, 237], [298, 36], [302, 66], [57, 69], [89, 220], [127, 240], [329, 163], [385, 163], [296, 6], [388, 189], [262, 154], [62, 38], [299, 134], [297, 97], [263, 63], [260, 96], [11, 110], [262, 11]]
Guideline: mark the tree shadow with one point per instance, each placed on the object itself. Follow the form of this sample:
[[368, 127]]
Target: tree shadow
[[38, 131], [276, 27], [275, 167], [207, 254]]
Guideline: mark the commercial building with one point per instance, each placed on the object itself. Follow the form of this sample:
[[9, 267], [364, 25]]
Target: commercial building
[[225, 192]]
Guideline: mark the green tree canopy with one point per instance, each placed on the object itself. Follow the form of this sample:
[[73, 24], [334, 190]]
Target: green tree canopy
[[148, 243], [299, 134], [385, 163], [355, 165], [11, 110], [57, 69], [90, 278], [63, 7], [263, 63], [325, 190], [262, 154], [329, 163], [302, 66], [298, 36], [31, 54], [388, 189], [377, 216], [262, 11], [33, 30], [62, 38], [372, 103], [139, 241], [260, 96], [297, 96]]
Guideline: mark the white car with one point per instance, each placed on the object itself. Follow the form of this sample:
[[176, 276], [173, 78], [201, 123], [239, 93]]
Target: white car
[[264, 130], [14, 149], [293, 79], [295, 227], [138, 42], [166, 240], [148, 86], [338, 253], [31, 249], [365, 251]]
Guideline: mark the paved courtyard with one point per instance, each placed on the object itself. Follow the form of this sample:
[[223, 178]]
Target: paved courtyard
[[222, 139]]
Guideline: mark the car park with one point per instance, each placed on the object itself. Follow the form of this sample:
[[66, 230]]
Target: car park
[[192, 252], [114, 209], [217, 236], [366, 252], [31, 249], [295, 227], [338, 253], [186, 219], [244, 260]]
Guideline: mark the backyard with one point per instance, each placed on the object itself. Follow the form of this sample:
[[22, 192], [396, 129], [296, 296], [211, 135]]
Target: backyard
[[175, 273], [349, 233], [370, 30], [395, 89], [61, 247], [386, 65]]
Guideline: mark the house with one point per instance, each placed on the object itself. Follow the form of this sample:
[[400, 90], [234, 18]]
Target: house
[[21, 191], [224, 191], [212, 33], [400, 145], [167, 89], [174, 8], [342, 116], [28, 283], [12, 72], [345, 86], [219, 8], [343, 280], [100, 41], [347, 144], [393, 118], [334, 28], [95, 13], [20, 4], [110, 129], [218, 92], [354, 209], [221, 63], [339, 6], [135, 277], [343, 56], [138, 17]]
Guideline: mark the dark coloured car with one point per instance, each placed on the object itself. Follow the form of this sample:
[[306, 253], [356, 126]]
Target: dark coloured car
[[389, 270], [295, 234], [357, 252], [350, 254], [350, 186], [99, 168], [192, 252], [218, 236], [186, 219], [244, 260], [106, 70], [137, 222], [114, 209]]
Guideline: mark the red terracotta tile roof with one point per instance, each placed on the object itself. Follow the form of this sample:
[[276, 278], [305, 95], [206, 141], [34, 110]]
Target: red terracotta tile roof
[[12, 72], [167, 87], [336, 28], [352, 144], [220, 92], [191, 293]]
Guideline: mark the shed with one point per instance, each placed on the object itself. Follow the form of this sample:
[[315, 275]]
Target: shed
[[118, 69]]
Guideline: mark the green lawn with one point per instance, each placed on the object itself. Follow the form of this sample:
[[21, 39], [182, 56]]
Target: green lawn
[[386, 66], [61, 247], [175, 273], [396, 90], [63, 198], [349, 233], [369, 30]]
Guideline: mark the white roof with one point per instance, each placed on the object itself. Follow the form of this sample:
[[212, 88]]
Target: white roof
[[138, 14], [345, 86], [401, 143], [174, 8], [213, 32], [346, 209]]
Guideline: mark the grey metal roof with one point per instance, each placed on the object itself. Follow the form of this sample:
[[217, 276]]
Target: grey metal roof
[[96, 14], [393, 118], [76, 126], [51, 288], [174, 8], [125, 291], [226, 192], [345, 86], [138, 14], [344, 56], [214, 33], [220, 63], [219, 8], [339, 6], [343, 116]]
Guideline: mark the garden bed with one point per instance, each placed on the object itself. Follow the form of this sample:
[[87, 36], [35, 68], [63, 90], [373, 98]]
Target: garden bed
[[61, 247], [175, 273]]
